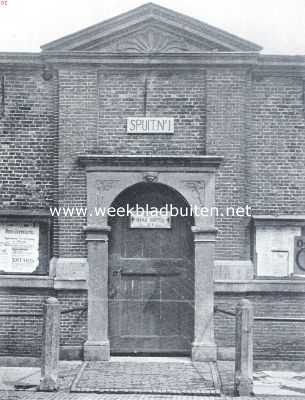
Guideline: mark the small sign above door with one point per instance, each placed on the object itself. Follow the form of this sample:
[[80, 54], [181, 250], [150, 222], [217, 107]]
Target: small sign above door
[[143, 125], [150, 220]]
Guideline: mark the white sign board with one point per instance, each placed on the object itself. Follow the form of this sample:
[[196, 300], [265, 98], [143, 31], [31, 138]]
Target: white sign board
[[150, 220], [275, 250], [19, 247], [150, 125]]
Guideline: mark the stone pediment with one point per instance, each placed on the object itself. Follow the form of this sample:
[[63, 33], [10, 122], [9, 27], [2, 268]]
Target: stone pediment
[[151, 29]]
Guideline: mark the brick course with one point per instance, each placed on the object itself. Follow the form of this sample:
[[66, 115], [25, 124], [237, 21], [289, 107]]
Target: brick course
[[272, 340], [276, 146], [178, 94], [227, 98], [21, 336], [28, 146], [221, 111]]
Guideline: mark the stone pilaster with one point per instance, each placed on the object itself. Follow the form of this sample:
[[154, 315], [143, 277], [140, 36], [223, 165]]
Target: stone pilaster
[[204, 347], [97, 346]]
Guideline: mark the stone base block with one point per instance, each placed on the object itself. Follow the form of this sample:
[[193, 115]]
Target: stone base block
[[48, 384], [238, 270], [243, 386], [204, 352], [96, 351]]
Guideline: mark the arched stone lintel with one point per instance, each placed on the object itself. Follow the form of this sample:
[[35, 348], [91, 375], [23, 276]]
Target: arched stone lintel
[[196, 188]]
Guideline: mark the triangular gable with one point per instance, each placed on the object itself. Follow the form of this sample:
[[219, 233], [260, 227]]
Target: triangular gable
[[151, 28]]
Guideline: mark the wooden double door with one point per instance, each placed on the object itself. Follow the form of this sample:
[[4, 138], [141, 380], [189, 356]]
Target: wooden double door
[[151, 278]]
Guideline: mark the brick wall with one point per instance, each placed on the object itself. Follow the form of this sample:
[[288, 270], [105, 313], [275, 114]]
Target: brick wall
[[93, 108], [73, 325], [170, 93], [227, 99], [257, 124], [272, 340], [212, 114], [28, 146], [21, 335], [77, 136], [276, 146]]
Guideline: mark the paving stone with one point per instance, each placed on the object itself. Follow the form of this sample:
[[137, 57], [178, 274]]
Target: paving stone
[[153, 377], [26, 395]]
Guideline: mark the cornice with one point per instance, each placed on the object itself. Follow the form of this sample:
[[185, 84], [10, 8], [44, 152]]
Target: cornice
[[278, 220], [153, 59], [260, 286], [20, 59], [260, 65], [280, 65], [118, 160], [42, 215]]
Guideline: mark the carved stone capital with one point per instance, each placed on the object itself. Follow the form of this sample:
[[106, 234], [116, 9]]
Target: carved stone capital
[[204, 234]]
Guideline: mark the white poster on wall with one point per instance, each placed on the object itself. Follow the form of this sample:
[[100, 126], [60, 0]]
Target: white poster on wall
[[19, 247], [274, 250]]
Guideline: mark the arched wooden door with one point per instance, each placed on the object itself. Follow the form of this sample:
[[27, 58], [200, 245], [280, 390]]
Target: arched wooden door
[[151, 278]]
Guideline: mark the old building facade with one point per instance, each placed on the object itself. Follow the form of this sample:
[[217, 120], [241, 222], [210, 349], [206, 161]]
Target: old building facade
[[237, 138]]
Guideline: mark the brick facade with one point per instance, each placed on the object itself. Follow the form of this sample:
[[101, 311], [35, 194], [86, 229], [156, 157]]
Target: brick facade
[[213, 116], [20, 336], [272, 340], [275, 147], [28, 140], [246, 107], [227, 136], [180, 94]]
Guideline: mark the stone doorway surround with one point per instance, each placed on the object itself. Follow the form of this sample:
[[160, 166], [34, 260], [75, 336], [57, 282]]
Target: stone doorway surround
[[191, 176]]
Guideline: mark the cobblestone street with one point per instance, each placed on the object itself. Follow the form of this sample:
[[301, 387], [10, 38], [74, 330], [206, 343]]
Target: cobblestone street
[[22, 378]]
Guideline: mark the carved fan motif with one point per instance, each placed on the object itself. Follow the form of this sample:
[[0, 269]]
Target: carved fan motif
[[152, 41]]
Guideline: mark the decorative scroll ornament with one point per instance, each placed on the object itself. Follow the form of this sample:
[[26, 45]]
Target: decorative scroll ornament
[[102, 186], [151, 41], [198, 189]]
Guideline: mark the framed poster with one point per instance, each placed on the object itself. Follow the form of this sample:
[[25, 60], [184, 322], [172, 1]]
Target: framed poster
[[19, 247]]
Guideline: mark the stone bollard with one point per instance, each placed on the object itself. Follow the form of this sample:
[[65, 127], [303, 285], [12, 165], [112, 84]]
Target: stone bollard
[[243, 380], [50, 346]]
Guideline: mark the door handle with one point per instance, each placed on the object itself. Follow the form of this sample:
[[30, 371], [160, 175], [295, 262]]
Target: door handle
[[112, 292]]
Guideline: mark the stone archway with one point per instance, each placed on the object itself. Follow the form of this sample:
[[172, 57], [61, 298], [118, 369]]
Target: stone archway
[[151, 273], [194, 179]]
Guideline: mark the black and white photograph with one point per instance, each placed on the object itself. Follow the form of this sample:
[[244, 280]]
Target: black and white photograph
[[152, 200]]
